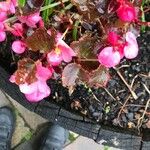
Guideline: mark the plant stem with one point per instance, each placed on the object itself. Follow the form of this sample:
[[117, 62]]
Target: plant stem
[[140, 120], [53, 5], [88, 59], [128, 86]]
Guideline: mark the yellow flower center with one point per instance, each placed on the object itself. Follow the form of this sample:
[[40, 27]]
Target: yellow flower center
[[57, 51]]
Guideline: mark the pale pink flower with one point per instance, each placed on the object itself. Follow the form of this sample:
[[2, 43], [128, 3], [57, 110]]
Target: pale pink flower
[[8, 6], [4, 6], [109, 57], [30, 20], [131, 47], [65, 51], [16, 29], [1, 26], [3, 16], [36, 91], [18, 47], [12, 8], [2, 36], [54, 59], [43, 73], [39, 89], [126, 13], [62, 52], [12, 79]]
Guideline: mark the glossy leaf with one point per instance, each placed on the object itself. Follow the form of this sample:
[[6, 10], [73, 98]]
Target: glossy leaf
[[71, 75], [21, 3], [41, 40], [89, 9], [26, 71], [99, 77], [86, 50]]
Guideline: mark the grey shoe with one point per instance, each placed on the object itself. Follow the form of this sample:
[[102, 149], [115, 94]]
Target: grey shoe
[[7, 122], [55, 139]]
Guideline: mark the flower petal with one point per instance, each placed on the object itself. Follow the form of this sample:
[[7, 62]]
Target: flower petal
[[28, 88], [108, 57], [42, 73], [54, 59], [66, 51], [131, 48], [42, 92]]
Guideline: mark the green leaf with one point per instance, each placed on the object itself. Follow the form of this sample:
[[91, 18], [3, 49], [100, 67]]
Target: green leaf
[[46, 13], [21, 3], [75, 30]]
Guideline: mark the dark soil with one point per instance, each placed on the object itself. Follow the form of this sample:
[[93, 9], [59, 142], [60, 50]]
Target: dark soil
[[112, 105], [120, 109]]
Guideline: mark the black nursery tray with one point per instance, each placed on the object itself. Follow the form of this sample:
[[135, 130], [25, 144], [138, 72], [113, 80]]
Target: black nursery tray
[[58, 108]]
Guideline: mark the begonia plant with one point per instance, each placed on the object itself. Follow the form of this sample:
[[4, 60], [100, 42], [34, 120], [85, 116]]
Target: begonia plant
[[81, 38]]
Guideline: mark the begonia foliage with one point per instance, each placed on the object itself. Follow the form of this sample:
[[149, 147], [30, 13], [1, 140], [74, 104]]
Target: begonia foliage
[[106, 35]]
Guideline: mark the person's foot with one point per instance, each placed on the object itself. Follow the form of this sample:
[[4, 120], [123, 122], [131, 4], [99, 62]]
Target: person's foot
[[7, 121], [55, 139]]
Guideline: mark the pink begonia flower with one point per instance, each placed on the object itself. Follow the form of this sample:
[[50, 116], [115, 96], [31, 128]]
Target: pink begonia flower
[[18, 47], [108, 57], [54, 59], [43, 73], [12, 5], [1, 26], [38, 90], [41, 23], [3, 16], [126, 13], [35, 91], [4, 6], [30, 20], [2, 36], [131, 47], [16, 29], [8, 6], [61, 53], [113, 38], [66, 51]]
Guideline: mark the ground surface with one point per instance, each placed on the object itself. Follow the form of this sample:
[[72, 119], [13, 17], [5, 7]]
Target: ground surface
[[27, 123]]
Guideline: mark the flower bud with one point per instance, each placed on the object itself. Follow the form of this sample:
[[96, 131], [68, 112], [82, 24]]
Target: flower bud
[[18, 47], [126, 13], [2, 36]]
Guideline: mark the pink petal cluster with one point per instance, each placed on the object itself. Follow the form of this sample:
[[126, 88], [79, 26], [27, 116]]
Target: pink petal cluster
[[18, 47], [111, 56], [3, 16], [30, 20], [62, 53], [17, 29], [38, 90], [126, 12], [2, 32], [6, 8], [35, 91]]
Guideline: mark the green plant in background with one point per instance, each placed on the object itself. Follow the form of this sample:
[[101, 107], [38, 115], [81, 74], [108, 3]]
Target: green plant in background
[[143, 19], [46, 13], [21, 3], [72, 136], [107, 148]]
